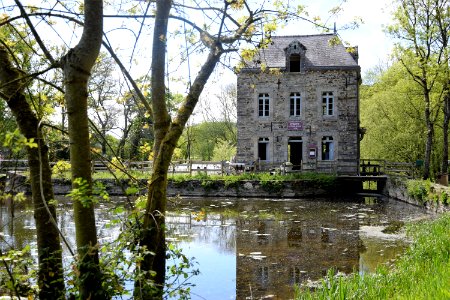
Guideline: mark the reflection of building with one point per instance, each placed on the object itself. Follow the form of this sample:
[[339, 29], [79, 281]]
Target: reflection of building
[[304, 107], [271, 258]]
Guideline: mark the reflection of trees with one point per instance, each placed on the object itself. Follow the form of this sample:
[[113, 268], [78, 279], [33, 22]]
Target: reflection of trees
[[213, 229]]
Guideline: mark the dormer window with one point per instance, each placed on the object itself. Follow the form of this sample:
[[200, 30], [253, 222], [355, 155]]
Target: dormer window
[[294, 63], [295, 53]]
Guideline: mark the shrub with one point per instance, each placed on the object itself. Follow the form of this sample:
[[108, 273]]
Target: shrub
[[418, 189], [61, 168]]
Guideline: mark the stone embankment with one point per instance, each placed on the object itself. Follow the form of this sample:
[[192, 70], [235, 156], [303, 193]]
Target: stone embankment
[[207, 188], [245, 189], [398, 190]]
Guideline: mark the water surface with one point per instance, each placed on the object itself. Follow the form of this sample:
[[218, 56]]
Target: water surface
[[255, 248]]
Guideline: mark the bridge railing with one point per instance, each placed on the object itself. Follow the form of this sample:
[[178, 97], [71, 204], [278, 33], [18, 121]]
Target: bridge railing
[[376, 167]]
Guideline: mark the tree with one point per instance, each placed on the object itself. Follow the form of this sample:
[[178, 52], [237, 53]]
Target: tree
[[420, 55], [224, 111], [12, 90], [392, 113], [77, 65], [442, 17]]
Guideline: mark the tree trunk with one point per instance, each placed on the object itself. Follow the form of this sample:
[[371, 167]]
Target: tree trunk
[[429, 137], [153, 232], [77, 65], [50, 273], [445, 129], [167, 135]]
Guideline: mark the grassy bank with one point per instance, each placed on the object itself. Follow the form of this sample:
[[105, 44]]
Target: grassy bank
[[422, 273]]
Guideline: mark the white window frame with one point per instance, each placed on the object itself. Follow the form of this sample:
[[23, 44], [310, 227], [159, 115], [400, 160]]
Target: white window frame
[[295, 99], [328, 103], [265, 99]]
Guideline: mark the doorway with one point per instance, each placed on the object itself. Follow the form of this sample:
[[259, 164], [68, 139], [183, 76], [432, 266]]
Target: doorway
[[263, 149], [295, 151]]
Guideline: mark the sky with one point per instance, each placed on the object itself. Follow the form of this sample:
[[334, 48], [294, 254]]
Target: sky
[[373, 44]]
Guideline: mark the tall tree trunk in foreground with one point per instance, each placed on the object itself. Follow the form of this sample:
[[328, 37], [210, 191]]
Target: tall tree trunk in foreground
[[153, 235], [167, 134], [50, 273], [77, 65]]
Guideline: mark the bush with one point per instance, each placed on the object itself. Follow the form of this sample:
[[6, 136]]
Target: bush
[[61, 168], [419, 189]]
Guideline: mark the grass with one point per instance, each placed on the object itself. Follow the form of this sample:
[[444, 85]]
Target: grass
[[423, 272]]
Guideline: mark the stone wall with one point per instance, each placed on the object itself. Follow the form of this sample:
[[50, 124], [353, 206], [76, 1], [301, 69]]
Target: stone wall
[[342, 126], [219, 188], [397, 190]]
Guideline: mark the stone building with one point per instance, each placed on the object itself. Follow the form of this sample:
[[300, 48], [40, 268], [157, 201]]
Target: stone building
[[298, 102]]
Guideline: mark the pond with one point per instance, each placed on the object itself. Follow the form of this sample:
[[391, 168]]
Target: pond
[[258, 248]]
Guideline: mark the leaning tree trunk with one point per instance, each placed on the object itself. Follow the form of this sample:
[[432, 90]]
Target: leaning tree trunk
[[50, 273], [77, 65], [167, 134]]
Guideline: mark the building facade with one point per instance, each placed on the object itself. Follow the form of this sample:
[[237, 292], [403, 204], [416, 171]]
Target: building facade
[[298, 102]]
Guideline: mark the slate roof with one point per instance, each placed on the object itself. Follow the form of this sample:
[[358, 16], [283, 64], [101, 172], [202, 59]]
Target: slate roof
[[320, 53]]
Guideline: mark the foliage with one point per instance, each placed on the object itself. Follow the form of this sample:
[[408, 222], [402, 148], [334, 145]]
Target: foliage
[[61, 169], [116, 164], [17, 274], [82, 192], [425, 191], [421, 273], [208, 141], [272, 183], [269, 184], [16, 141], [223, 151], [390, 111]]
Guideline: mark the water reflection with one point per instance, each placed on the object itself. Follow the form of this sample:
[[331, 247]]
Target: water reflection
[[253, 248]]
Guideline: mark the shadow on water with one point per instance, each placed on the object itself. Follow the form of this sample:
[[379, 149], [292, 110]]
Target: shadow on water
[[254, 248]]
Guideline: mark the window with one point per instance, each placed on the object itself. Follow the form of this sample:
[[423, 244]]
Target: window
[[263, 149], [263, 105], [295, 100], [327, 103], [327, 148], [294, 62]]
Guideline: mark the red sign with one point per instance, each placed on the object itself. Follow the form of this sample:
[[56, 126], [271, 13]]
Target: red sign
[[295, 125]]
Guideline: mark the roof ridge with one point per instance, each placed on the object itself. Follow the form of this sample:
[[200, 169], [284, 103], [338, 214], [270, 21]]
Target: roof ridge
[[304, 35]]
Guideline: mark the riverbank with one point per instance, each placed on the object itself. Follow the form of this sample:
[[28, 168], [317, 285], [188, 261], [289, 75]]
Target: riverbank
[[247, 185], [423, 272]]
